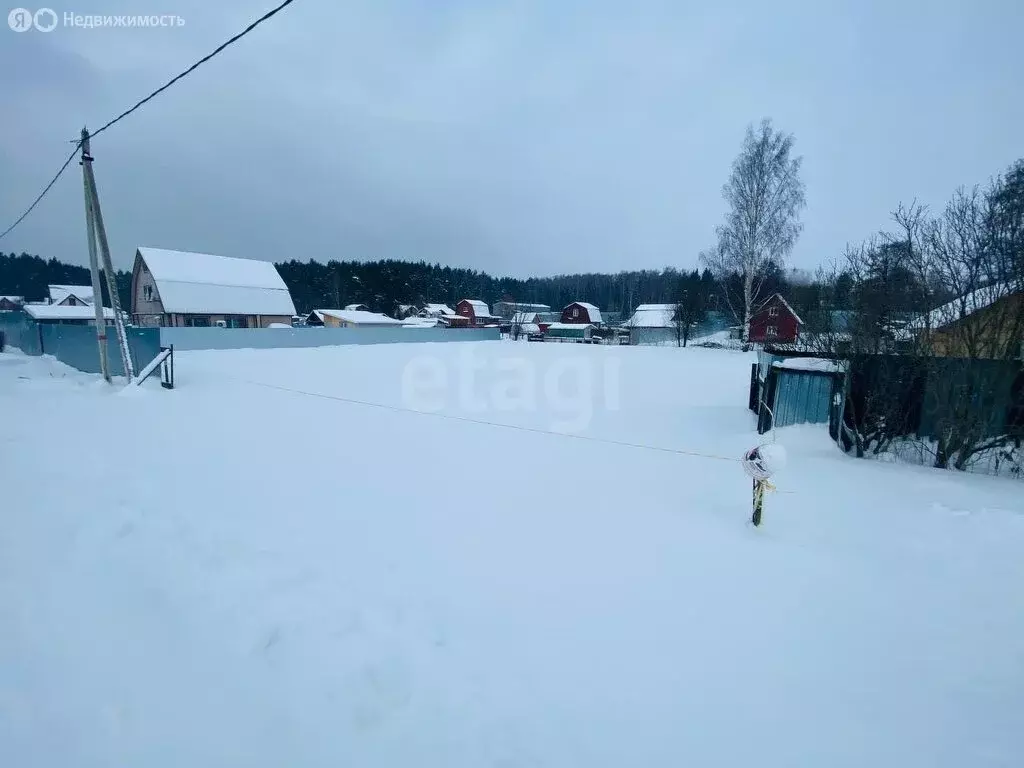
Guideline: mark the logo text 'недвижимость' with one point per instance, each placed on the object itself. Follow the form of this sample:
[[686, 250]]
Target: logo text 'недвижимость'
[[47, 19]]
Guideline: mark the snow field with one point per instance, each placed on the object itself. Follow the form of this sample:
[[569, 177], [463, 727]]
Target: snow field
[[254, 576]]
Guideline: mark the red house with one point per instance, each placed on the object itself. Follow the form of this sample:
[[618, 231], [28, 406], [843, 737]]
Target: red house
[[775, 322], [477, 311], [581, 312]]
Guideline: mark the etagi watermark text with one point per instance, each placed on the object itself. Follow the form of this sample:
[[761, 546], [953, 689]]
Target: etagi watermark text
[[47, 20], [568, 389]]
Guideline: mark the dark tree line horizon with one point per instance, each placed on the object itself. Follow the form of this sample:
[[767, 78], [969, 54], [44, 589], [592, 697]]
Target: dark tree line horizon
[[384, 284]]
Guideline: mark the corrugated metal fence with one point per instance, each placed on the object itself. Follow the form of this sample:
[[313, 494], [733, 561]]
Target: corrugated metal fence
[[783, 396], [75, 345]]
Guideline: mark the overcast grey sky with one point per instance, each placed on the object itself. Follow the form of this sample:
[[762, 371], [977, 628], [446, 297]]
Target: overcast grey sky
[[513, 137]]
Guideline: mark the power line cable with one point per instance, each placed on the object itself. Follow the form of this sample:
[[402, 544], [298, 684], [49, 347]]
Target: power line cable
[[43, 193], [151, 96], [195, 66]]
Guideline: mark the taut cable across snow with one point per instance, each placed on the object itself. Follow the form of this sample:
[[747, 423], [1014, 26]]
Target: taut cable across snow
[[470, 420]]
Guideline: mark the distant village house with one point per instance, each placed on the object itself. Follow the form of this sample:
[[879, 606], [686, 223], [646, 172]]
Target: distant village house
[[477, 311], [11, 303], [70, 295], [506, 310], [350, 318], [581, 312], [774, 322], [436, 310]]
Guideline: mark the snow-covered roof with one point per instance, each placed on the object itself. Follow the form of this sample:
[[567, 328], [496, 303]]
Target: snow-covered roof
[[532, 328], [960, 308], [420, 322], [480, 308], [438, 309], [526, 306], [355, 307], [206, 283], [785, 303], [358, 317], [59, 293], [569, 326], [652, 316], [525, 317], [15, 299], [59, 312], [809, 364], [592, 311]]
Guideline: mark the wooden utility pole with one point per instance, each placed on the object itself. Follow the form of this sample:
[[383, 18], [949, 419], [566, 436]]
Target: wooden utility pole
[[94, 270], [100, 232]]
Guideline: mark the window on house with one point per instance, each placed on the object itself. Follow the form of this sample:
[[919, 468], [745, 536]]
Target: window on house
[[771, 332], [236, 321], [575, 311], [199, 321], [147, 293], [773, 311]]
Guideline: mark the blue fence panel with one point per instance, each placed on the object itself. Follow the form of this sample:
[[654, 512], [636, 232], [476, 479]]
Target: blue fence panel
[[75, 345], [802, 397], [275, 338], [21, 331]]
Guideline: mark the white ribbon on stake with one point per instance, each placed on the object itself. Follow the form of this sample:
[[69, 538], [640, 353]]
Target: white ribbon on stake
[[760, 464]]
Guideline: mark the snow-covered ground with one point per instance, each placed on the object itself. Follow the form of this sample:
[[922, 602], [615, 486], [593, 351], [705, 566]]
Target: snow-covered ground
[[280, 563]]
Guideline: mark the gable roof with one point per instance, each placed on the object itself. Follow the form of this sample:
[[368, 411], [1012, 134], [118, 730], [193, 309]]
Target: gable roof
[[962, 307], [61, 312], [525, 317], [14, 299], [438, 309], [442, 308], [59, 293], [784, 303], [592, 311], [653, 316], [480, 308], [205, 283]]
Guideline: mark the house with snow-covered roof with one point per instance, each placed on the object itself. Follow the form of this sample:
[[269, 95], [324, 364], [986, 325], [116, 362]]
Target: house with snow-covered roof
[[181, 288], [350, 318], [581, 312], [507, 309], [70, 295], [11, 303], [477, 311], [436, 310]]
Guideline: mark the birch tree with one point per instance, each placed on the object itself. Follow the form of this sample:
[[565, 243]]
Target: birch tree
[[765, 196]]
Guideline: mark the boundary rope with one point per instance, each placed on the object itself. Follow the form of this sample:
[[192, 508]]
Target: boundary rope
[[470, 420]]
